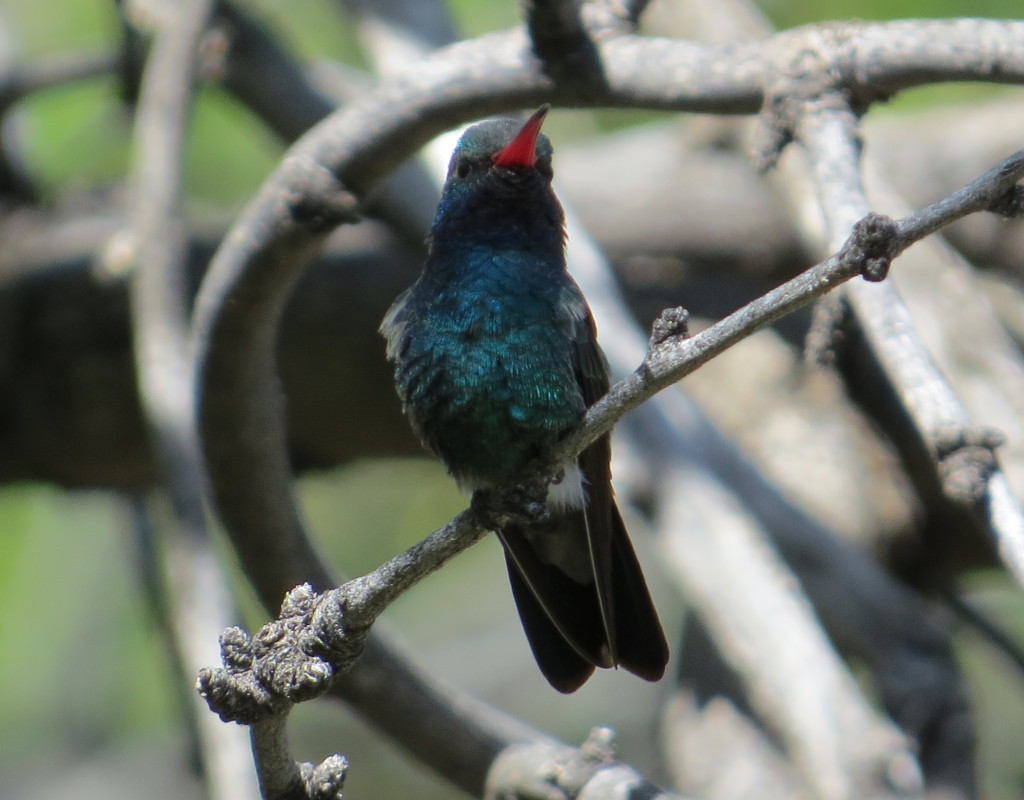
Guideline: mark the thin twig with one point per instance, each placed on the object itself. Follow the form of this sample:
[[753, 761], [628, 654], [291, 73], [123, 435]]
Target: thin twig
[[282, 778], [280, 775], [872, 245], [161, 356], [157, 291], [963, 457], [987, 628]]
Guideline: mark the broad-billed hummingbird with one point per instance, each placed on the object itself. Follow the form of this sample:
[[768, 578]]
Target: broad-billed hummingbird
[[496, 358]]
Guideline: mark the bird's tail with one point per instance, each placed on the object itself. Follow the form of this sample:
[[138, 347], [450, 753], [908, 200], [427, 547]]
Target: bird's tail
[[578, 613]]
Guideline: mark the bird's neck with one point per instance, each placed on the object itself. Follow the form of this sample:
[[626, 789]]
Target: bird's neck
[[468, 243]]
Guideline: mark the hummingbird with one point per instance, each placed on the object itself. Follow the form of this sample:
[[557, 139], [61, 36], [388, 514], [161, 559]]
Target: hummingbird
[[496, 358]]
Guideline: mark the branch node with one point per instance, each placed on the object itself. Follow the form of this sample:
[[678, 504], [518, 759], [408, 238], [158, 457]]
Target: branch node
[[340, 624], [236, 649], [290, 673], [597, 752], [811, 77], [1009, 204], [291, 659], [672, 323], [299, 602], [966, 459], [233, 692], [776, 126], [808, 87], [599, 748], [872, 244], [326, 780], [316, 199], [544, 771], [235, 697]]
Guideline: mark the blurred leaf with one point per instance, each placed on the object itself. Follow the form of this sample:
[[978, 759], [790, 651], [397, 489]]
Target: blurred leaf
[[81, 664]]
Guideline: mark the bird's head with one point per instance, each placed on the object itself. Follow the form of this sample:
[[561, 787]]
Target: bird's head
[[498, 191], [502, 149]]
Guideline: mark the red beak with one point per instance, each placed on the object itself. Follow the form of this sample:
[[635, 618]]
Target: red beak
[[522, 150]]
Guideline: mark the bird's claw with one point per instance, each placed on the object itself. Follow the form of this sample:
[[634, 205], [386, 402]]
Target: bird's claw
[[523, 503]]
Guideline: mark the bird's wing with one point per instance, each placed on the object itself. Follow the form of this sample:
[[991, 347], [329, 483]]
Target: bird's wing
[[591, 371], [560, 616], [393, 326], [634, 634], [395, 330]]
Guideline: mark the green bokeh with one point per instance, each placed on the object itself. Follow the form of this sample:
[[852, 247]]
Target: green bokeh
[[789, 13], [81, 666]]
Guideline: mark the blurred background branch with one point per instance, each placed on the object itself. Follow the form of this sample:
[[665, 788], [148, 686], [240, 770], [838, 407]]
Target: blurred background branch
[[197, 599]]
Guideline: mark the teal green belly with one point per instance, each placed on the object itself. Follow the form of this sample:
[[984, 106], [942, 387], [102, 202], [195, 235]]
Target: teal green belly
[[489, 406]]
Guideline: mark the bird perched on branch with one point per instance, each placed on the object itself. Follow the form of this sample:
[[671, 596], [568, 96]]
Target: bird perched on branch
[[496, 358]]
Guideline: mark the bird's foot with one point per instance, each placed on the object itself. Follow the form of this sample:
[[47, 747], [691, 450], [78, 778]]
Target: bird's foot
[[516, 504]]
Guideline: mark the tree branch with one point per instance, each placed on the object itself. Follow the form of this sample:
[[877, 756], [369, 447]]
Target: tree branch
[[561, 41], [282, 778], [700, 476], [971, 478], [872, 245], [158, 303], [260, 73]]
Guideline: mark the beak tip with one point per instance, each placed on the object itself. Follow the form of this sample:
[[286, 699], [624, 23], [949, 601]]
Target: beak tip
[[522, 150]]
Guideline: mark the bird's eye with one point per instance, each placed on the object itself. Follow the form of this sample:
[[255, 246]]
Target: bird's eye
[[462, 169]]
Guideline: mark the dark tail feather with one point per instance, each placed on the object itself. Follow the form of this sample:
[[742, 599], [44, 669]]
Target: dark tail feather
[[569, 607], [565, 669], [563, 617], [640, 642]]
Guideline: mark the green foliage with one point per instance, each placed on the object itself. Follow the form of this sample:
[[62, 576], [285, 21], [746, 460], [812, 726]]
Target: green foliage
[[81, 666], [789, 13]]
